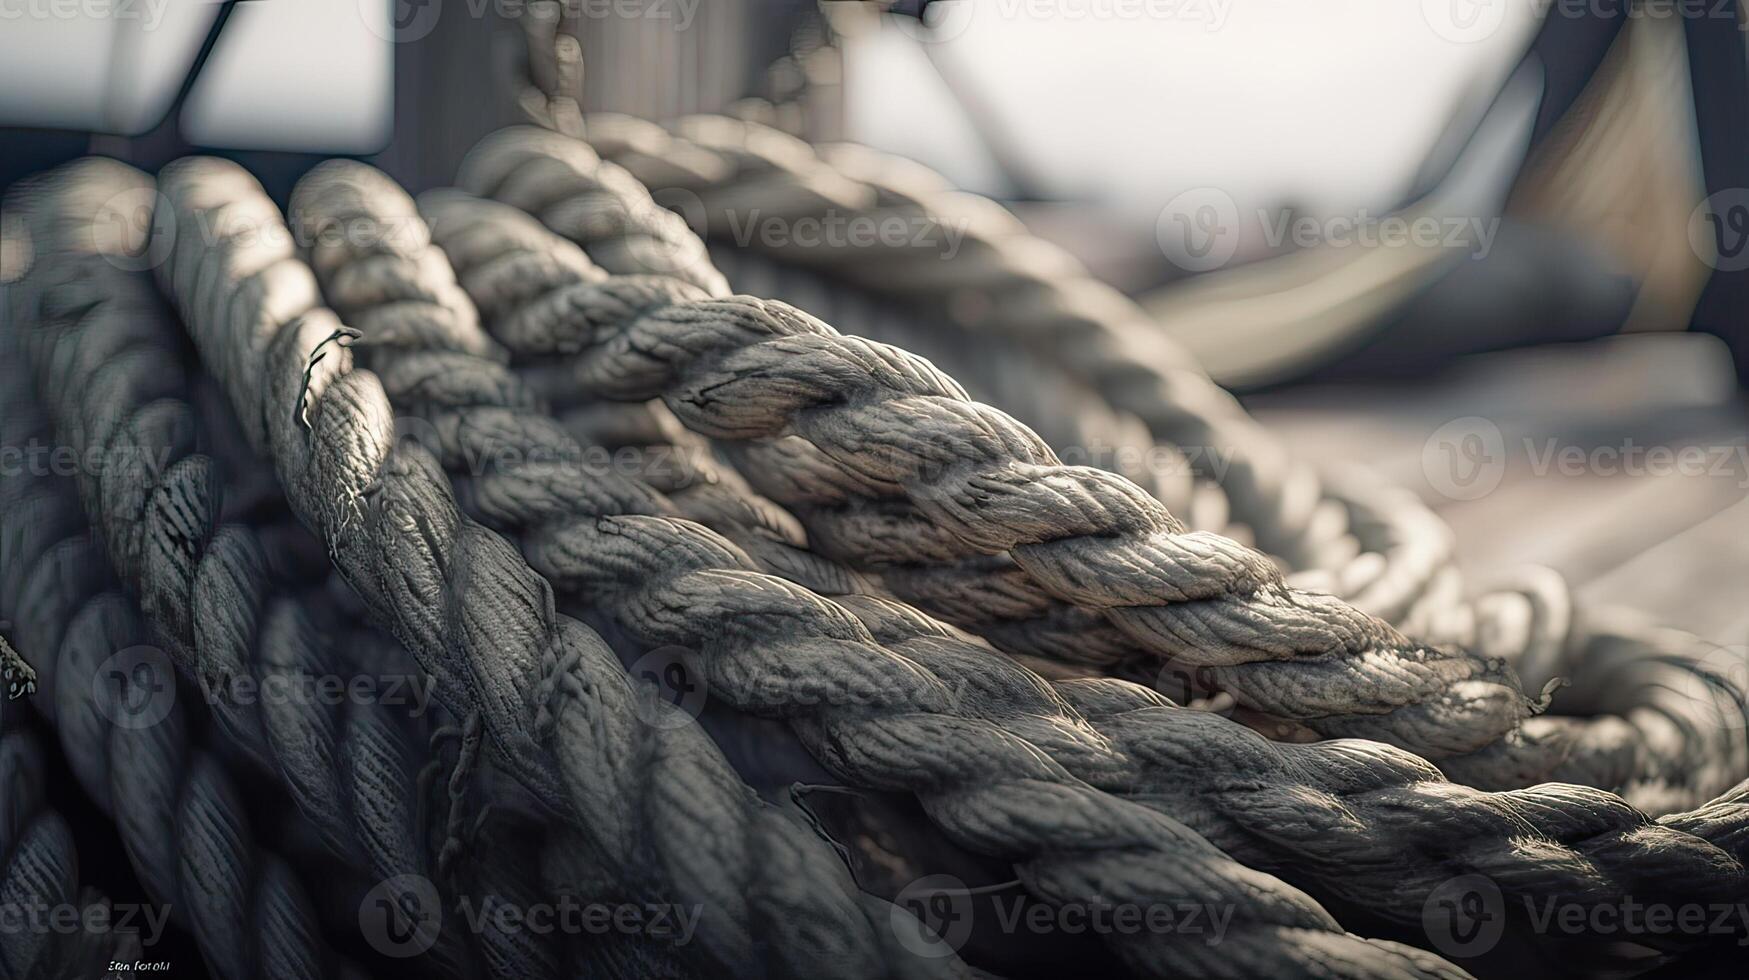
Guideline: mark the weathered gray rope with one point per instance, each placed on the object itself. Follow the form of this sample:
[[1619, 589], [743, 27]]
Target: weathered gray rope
[[353, 766], [1686, 772], [563, 717], [180, 816], [779, 650], [1383, 840], [855, 422], [39, 874], [1074, 419], [1666, 742], [1004, 279], [1652, 712]]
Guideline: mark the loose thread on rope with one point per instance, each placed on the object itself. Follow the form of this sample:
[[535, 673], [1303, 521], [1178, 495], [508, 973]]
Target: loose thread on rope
[[1547, 697], [798, 792], [460, 779], [343, 337]]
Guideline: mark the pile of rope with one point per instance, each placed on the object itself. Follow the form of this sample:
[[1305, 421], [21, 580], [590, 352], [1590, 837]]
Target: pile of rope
[[426, 381], [40, 881], [1665, 751]]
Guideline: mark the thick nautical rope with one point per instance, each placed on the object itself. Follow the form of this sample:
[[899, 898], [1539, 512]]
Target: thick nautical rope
[[1673, 740], [180, 815], [1382, 840], [39, 876], [765, 175], [1074, 418], [1003, 280], [352, 770], [1651, 712], [772, 648], [1692, 770], [354, 766], [361, 759], [1033, 284], [562, 715], [835, 422]]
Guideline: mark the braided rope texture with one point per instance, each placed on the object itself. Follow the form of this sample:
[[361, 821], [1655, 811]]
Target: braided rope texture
[[1665, 731], [1653, 751], [868, 615], [180, 816], [563, 717], [39, 871], [350, 764], [773, 648], [1383, 840], [844, 424], [1001, 280], [560, 179], [1665, 753]]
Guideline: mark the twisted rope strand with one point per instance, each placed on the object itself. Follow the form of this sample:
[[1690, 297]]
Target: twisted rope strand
[[349, 764], [544, 173], [875, 420], [472, 611], [999, 273], [180, 817], [39, 873], [769, 175], [1000, 277], [1360, 821], [778, 650], [1668, 740]]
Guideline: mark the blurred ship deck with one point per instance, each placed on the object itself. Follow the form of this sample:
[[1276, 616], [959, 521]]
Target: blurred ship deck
[[1669, 543]]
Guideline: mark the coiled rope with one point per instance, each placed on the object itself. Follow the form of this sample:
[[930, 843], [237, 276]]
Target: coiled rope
[[795, 655], [1657, 724], [1664, 752], [180, 816], [559, 178], [562, 715], [350, 764], [1004, 281], [837, 425], [39, 875], [1354, 820]]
